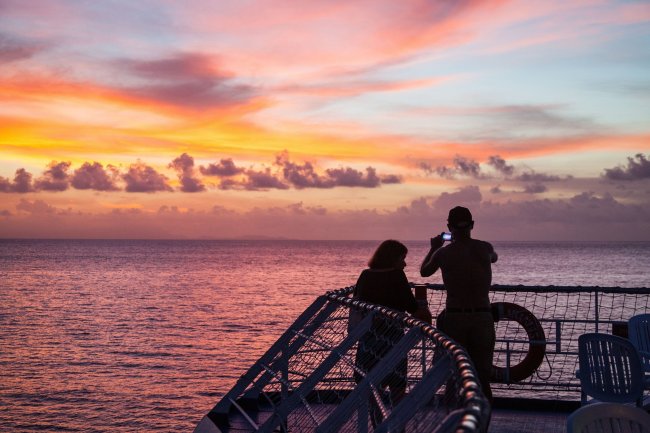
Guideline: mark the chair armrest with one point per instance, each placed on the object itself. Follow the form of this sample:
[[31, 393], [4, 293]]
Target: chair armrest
[[644, 355], [645, 359]]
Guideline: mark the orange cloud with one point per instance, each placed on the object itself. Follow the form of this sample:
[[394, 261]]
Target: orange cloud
[[45, 96], [52, 117], [230, 135]]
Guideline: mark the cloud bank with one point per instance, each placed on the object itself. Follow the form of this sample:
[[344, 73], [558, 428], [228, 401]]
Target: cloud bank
[[584, 216], [142, 178]]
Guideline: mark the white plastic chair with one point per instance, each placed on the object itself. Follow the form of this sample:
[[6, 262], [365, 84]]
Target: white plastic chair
[[608, 418], [610, 369], [638, 328]]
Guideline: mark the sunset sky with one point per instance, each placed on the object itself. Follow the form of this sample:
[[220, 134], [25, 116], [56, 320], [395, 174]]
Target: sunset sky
[[324, 119]]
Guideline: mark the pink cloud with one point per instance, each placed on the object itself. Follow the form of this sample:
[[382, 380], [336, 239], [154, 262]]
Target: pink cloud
[[22, 182], [182, 66], [535, 188], [262, 180], [332, 35], [184, 165], [143, 178], [186, 79], [94, 176], [300, 175], [55, 178], [638, 167], [632, 13], [564, 24], [531, 179], [583, 216], [346, 176], [14, 50], [461, 166], [500, 165], [225, 167], [468, 196], [35, 207], [353, 88], [59, 13]]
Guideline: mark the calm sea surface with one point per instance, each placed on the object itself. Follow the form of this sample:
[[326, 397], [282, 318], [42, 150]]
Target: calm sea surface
[[128, 336]]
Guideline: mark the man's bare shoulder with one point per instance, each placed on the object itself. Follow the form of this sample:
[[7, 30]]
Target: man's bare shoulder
[[483, 244], [488, 249]]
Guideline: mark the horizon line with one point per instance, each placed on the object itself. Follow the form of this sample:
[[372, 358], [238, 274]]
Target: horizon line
[[274, 239]]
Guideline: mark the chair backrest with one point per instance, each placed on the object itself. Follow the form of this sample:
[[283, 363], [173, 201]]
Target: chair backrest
[[638, 328], [608, 418], [610, 368]]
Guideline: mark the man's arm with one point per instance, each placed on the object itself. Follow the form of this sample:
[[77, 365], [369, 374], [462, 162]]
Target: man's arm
[[493, 254], [430, 263]]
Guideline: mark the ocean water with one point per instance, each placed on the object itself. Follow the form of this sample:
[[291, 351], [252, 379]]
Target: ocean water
[[125, 336]]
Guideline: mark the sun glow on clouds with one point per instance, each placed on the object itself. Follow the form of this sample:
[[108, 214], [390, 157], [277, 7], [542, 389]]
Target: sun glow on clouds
[[326, 114]]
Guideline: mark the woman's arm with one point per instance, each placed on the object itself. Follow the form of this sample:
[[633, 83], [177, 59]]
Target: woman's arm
[[406, 300]]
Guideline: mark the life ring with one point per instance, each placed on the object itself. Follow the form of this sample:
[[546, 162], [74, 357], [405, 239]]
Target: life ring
[[536, 343]]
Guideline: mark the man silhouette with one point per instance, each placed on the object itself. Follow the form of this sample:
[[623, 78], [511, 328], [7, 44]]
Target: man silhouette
[[466, 266]]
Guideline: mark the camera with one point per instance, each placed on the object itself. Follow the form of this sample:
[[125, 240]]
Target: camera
[[446, 236]]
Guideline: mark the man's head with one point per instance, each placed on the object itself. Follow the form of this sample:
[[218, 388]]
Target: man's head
[[460, 218]]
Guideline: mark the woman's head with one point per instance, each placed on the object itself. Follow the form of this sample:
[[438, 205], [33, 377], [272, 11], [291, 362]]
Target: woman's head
[[389, 254]]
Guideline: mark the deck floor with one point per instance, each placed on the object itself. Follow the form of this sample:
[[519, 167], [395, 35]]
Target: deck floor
[[518, 421], [508, 416], [503, 421]]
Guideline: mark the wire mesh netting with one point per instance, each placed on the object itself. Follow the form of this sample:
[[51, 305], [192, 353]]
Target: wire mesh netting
[[564, 313], [389, 372], [353, 367]]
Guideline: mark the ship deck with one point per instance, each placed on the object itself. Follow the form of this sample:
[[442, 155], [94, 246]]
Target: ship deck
[[509, 415], [517, 421], [519, 415]]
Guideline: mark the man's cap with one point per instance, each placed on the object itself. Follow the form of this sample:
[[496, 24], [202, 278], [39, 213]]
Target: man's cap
[[460, 217]]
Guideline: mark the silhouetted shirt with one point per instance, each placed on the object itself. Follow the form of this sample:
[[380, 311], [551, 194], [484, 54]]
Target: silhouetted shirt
[[389, 288]]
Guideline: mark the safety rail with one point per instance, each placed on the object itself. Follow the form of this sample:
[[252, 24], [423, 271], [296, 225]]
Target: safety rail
[[564, 313], [390, 372], [320, 376]]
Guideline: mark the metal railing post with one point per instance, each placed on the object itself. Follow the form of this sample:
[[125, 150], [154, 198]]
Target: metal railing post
[[596, 311], [508, 361]]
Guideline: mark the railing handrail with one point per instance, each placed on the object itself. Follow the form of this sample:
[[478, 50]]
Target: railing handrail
[[475, 405], [549, 288], [564, 314], [446, 365]]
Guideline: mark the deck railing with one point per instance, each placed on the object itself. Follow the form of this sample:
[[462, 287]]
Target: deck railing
[[564, 313], [322, 376]]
